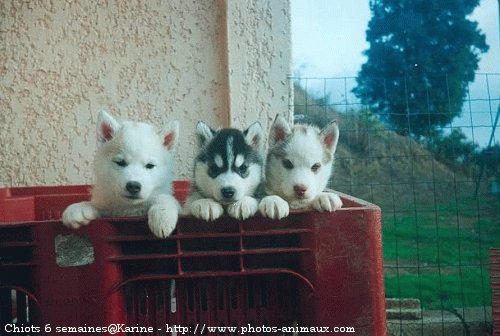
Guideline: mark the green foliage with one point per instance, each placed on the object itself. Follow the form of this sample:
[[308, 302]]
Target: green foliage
[[454, 150], [489, 158], [422, 55]]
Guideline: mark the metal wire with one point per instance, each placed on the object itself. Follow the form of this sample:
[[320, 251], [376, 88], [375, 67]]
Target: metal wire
[[332, 96]]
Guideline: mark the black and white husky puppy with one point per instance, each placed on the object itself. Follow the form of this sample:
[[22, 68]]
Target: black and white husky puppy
[[298, 167], [227, 171]]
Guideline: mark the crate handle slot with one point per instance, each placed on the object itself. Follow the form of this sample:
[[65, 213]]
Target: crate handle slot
[[153, 277], [173, 299]]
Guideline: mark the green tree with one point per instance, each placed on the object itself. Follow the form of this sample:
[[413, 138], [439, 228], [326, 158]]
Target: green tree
[[422, 56], [489, 159], [454, 149]]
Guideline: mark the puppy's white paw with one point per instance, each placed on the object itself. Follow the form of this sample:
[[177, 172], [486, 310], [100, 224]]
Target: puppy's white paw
[[326, 201], [206, 209], [162, 218], [274, 207], [244, 208], [79, 214]]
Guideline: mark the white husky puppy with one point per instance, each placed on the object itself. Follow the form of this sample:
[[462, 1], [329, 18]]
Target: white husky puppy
[[133, 176], [227, 171], [299, 164]]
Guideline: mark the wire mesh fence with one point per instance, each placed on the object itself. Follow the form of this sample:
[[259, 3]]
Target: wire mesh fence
[[439, 198]]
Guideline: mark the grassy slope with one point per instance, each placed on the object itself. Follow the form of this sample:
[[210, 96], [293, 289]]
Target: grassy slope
[[436, 235]]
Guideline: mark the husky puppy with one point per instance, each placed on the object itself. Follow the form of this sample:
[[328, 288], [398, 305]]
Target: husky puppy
[[133, 175], [299, 164], [227, 171]]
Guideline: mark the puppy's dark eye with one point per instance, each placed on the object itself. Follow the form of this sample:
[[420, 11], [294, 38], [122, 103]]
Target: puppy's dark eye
[[121, 163], [315, 167], [287, 164], [150, 166], [212, 170], [243, 169]]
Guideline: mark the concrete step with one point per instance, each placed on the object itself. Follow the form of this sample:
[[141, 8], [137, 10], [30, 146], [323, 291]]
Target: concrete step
[[391, 303], [403, 309], [474, 321], [403, 314]]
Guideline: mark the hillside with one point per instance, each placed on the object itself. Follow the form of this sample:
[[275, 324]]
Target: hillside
[[379, 165]]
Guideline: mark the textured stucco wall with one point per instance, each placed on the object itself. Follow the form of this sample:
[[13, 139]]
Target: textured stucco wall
[[225, 62], [259, 51]]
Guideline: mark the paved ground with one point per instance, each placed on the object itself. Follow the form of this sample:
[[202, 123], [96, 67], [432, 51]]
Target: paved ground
[[406, 318]]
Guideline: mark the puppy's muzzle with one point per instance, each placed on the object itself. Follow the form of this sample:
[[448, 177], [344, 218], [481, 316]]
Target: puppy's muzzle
[[133, 188], [300, 190], [227, 193]]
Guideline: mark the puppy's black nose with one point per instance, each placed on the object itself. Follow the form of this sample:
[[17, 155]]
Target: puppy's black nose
[[227, 192], [133, 187]]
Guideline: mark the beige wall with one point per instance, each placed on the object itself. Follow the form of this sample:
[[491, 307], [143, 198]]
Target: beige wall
[[224, 62]]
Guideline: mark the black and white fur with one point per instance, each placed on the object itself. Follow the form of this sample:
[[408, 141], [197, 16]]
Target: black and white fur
[[298, 167], [227, 171]]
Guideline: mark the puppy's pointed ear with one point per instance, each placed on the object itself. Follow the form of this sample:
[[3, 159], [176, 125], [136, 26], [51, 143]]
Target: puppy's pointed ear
[[107, 126], [170, 135], [204, 133], [280, 130], [254, 136], [330, 136]]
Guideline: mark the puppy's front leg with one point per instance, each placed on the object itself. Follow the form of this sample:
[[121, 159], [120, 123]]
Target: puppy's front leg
[[274, 207], [79, 214], [202, 208], [206, 209], [244, 208], [163, 215], [326, 201]]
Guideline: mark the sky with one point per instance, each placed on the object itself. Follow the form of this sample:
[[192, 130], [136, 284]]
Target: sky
[[328, 38]]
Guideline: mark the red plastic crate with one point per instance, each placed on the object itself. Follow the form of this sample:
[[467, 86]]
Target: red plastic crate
[[308, 270]]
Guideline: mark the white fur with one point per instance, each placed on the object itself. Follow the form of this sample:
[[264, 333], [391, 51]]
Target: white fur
[[239, 160], [204, 132], [304, 147], [245, 208], [149, 158], [206, 209], [218, 161], [229, 150], [274, 207]]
